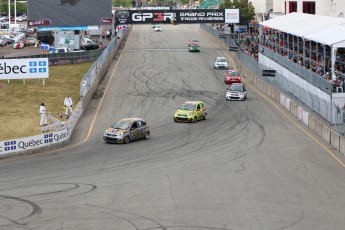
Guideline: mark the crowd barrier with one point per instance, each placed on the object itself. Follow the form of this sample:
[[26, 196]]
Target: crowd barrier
[[56, 139], [313, 123]]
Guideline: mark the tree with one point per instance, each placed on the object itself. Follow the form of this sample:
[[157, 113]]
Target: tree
[[246, 8], [21, 7], [122, 3]]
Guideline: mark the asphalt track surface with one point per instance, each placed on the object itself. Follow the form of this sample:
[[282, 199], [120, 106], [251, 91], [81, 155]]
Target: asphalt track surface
[[248, 166]]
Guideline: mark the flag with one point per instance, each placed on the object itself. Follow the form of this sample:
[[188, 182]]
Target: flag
[[45, 46]]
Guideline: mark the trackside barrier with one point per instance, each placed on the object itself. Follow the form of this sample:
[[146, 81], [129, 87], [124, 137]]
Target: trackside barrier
[[342, 145], [56, 139], [305, 118], [314, 124], [319, 127], [293, 110], [326, 133], [335, 139]]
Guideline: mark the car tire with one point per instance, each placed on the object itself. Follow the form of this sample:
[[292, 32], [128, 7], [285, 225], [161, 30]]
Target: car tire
[[147, 136], [194, 120], [205, 116], [126, 140]]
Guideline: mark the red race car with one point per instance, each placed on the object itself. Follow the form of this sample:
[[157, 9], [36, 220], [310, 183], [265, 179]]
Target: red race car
[[232, 76]]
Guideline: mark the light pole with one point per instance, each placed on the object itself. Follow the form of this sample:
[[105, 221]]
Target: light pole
[[15, 12], [9, 16]]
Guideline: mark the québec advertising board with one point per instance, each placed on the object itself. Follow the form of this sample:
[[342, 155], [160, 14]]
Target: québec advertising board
[[28, 143], [178, 16], [24, 68]]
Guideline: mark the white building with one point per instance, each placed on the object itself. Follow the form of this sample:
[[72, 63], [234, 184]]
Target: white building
[[332, 8]]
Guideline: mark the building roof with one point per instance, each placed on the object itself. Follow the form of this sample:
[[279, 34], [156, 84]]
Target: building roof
[[322, 29]]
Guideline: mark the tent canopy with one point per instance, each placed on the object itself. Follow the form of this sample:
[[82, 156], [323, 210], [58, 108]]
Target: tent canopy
[[322, 29]]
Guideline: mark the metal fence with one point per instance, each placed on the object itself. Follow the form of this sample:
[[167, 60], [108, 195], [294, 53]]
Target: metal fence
[[67, 58], [309, 100]]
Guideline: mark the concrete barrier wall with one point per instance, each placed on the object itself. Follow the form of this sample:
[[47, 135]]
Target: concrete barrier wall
[[342, 145], [293, 109], [305, 118], [287, 104], [326, 133], [318, 127], [335, 139], [312, 124], [299, 113]]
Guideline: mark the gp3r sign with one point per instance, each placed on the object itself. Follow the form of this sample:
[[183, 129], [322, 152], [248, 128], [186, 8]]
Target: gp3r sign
[[24, 68], [178, 16]]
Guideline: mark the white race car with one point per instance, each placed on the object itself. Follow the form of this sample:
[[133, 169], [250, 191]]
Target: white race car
[[158, 29], [236, 91]]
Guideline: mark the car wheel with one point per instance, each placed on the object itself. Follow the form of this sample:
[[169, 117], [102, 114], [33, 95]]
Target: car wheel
[[147, 135], [205, 116], [126, 140], [194, 120]]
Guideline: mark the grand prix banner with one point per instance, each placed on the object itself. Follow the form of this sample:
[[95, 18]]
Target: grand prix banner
[[178, 16]]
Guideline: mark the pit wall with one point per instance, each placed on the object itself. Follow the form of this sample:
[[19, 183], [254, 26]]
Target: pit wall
[[319, 127]]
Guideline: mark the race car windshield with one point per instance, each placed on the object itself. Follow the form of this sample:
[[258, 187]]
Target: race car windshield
[[236, 88], [188, 107], [221, 60], [121, 125], [233, 74]]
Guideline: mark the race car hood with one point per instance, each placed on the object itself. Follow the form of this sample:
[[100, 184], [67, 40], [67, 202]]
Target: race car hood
[[116, 131], [184, 112]]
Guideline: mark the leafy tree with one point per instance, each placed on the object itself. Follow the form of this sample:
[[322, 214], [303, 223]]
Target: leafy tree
[[21, 7], [246, 8], [122, 3]]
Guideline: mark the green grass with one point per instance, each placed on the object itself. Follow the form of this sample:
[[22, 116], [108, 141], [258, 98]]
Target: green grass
[[20, 102]]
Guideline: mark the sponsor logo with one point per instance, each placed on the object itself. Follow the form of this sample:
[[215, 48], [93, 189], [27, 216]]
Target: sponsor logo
[[10, 145], [156, 16], [39, 22], [32, 67], [122, 14], [106, 20]]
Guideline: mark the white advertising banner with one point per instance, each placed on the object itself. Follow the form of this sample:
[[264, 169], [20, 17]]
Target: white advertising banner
[[24, 68], [232, 16], [27, 143]]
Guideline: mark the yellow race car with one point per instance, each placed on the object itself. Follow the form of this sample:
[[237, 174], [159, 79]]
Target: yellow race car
[[191, 111]]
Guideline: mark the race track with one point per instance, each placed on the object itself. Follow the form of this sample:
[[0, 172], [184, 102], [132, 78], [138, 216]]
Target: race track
[[248, 166]]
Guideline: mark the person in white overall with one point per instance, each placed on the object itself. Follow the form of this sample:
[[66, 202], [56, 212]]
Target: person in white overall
[[68, 104], [43, 115]]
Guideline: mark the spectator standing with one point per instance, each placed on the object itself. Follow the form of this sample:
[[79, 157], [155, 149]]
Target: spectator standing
[[68, 105], [43, 115], [108, 35]]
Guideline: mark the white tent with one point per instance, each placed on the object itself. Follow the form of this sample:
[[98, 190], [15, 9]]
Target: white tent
[[302, 24], [325, 30]]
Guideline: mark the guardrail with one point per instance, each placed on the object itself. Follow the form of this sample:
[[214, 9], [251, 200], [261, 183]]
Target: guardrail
[[66, 58]]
